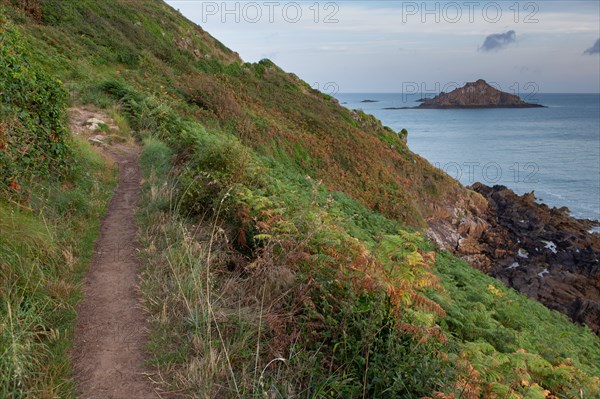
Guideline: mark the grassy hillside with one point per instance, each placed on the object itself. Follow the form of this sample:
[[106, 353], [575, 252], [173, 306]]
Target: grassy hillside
[[280, 230], [273, 112], [53, 190]]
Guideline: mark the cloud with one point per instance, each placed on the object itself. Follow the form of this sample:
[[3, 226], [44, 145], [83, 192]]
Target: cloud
[[595, 49], [498, 41]]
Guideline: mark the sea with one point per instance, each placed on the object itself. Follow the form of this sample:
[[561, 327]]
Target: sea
[[552, 151]]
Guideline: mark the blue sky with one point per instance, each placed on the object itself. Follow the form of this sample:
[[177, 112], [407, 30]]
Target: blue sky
[[385, 46]]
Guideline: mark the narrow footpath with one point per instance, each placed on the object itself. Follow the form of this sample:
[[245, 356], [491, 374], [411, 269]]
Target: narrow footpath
[[111, 330]]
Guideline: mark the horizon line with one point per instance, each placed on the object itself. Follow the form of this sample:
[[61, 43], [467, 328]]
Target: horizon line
[[400, 92]]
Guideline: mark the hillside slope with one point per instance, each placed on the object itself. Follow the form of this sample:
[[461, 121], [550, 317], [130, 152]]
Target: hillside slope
[[53, 190], [278, 229], [269, 110]]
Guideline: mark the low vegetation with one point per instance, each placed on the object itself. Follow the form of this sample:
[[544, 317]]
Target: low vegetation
[[33, 137], [272, 285], [279, 233], [53, 190], [45, 246]]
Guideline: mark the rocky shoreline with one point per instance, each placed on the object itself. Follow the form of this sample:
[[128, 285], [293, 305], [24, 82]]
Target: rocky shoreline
[[540, 251]]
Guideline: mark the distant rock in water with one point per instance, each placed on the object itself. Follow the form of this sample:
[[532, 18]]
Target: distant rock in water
[[369, 101], [475, 95]]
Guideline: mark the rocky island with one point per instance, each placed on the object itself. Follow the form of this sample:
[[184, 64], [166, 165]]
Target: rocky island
[[477, 94]]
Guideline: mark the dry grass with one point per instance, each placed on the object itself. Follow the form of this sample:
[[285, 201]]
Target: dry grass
[[206, 298], [219, 315]]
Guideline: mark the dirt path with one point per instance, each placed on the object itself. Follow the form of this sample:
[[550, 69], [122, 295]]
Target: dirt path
[[108, 354]]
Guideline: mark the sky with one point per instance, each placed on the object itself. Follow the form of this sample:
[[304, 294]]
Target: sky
[[397, 46]]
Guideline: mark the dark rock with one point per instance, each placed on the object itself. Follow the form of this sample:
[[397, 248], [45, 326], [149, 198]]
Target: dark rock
[[585, 311], [562, 267], [540, 251]]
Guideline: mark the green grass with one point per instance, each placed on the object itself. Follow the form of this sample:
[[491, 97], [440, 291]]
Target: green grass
[[44, 251], [504, 344], [53, 191], [511, 338]]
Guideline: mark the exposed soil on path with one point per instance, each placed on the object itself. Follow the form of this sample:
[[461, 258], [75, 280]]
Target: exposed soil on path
[[111, 330]]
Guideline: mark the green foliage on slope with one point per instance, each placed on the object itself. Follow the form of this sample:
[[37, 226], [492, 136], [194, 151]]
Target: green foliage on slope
[[46, 243], [347, 284], [53, 190], [33, 137], [269, 110], [274, 231]]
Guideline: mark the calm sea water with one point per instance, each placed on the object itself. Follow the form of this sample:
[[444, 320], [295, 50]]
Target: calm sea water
[[552, 151]]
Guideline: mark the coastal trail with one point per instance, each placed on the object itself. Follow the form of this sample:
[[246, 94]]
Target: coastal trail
[[111, 330]]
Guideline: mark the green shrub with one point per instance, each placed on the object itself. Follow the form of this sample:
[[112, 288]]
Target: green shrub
[[33, 138], [361, 352], [218, 163], [156, 157]]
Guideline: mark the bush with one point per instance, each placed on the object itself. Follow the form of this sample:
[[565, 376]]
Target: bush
[[362, 352], [209, 92], [147, 115], [33, 136], [217, 164]]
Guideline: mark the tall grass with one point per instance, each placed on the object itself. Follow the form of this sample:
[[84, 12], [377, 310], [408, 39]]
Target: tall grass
[[45, 247]]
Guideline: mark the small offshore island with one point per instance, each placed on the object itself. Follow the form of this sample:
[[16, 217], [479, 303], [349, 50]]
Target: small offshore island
[[477, 94]]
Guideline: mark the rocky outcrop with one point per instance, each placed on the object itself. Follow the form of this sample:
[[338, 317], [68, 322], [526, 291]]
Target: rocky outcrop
[[543, 252], [477, 94]]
